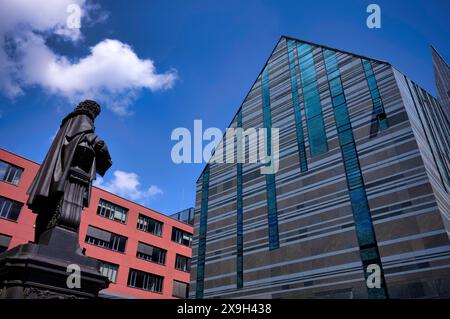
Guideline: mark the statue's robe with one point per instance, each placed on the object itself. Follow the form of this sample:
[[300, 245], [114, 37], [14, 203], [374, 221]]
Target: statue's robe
[[53, 174]]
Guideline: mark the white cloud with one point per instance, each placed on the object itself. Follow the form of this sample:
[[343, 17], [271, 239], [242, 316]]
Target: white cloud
[[39, 16], [111, 73], [126, 184], [154, 190]]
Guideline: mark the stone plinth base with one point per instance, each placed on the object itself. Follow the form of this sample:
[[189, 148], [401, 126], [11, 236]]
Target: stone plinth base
[[41, 271]]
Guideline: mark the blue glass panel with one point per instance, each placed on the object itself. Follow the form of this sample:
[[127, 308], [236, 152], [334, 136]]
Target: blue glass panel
[[346, 137], [367, 65], [313, 107], [369, 72], [336, 87], [378, 107], [358, 197], [346, 125], [334, 74], [331, 63], [372, 82], [311, 86], [375, 94], [365, 235], [341, 115], [317, 138], [383, 124], [272, 214], [369, 254], [311, 97], [338, 100], [202, 235], [308, 77]]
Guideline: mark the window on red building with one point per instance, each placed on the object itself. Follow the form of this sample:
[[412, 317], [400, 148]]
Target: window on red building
[[151, 253], [105, 239], [183, 263], [112, 211], [143, 280], [149, 225], [180, 289], [181, 237], [109, 270], [10, 173], [9, 209]]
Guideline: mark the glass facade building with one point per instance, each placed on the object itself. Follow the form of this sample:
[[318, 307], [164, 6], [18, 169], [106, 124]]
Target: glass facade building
[[362, 188], [186, 216]]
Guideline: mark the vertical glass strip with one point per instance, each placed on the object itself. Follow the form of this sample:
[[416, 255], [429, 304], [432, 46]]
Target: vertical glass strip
[[368, 247], [239, 219], [297, 113], [313, 108], [378, 108], [270, 178], [202, 236]]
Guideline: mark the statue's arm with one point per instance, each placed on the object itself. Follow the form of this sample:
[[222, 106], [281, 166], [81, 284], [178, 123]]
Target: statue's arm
[[102, 157]]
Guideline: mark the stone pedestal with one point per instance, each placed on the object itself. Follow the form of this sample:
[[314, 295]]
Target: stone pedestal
[[41, 271]]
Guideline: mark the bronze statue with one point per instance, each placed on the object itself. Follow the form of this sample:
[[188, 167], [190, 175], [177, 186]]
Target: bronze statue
[[58, 193], [62, 185]]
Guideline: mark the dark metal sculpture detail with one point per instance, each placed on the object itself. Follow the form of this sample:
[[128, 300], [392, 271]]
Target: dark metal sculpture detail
[[35, 293], [62, 186]]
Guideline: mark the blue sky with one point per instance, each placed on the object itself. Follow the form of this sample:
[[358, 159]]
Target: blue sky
[[215, 49]]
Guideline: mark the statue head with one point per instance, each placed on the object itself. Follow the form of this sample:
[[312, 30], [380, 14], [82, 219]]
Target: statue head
[[90, 106]]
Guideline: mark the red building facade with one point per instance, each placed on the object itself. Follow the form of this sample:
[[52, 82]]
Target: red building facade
[[144, 253]]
